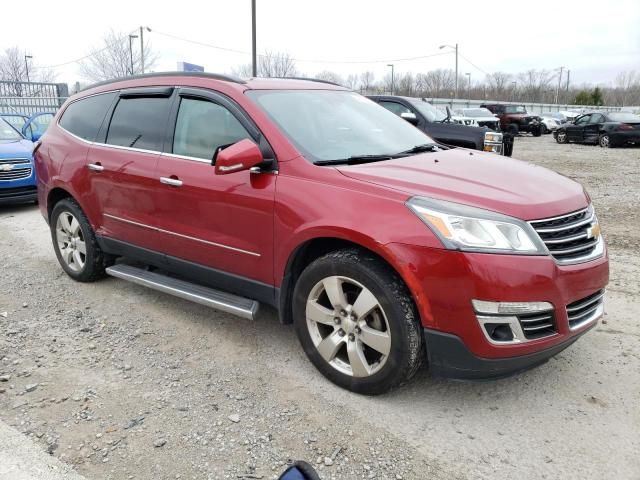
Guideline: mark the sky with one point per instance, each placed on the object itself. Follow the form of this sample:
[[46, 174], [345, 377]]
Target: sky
[[593, 40]]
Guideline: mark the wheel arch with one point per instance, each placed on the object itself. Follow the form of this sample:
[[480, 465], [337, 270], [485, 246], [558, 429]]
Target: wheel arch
[[54, 196], [313, 248]]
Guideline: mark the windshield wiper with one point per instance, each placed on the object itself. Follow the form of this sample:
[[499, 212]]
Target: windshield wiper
[[356, 159], [425, 147]]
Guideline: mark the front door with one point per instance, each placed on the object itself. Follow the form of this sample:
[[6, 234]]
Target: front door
[[122, 166], [220, 221], [575, 131], [592, 129]]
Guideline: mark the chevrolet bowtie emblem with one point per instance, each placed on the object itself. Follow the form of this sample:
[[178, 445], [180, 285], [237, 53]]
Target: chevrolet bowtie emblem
[[6, 168], [593, 231]]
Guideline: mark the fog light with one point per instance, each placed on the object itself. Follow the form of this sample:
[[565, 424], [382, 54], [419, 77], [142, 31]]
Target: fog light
[[500, 332]]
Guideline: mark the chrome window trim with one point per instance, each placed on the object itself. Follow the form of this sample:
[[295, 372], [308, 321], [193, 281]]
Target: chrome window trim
[[160, 230], [186, 157]]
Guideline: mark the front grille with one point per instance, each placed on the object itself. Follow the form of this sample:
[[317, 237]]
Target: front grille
[[537, 325], [570, 238], [15, 174], [586, 310], [489, 124], [14, 161]]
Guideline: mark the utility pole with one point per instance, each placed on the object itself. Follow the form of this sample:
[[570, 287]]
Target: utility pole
[[513, 91], [142, 29], [468, 74], [26, 66], [254, 55], [559, 82], [456, 50], [568, 77], [392, 85], [131, 37]]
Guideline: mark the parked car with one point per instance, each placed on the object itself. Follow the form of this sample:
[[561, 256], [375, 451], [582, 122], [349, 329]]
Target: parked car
[[17, 174], [438, 125], [570, 115], [382, 248], [550, 121], [31, 127], [481, 116], [515, 119], [608, 129]]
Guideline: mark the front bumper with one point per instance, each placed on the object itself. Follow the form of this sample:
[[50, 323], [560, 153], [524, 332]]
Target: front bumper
[[18, 195], [444, 282], [449, 357]]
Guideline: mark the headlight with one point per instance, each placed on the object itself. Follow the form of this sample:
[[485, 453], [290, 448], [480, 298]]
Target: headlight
[[492, 137], [461, 227]]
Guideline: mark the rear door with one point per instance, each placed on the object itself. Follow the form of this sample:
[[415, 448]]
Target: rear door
[[575, 131], [592, 128], [220, 221], [122, 166]]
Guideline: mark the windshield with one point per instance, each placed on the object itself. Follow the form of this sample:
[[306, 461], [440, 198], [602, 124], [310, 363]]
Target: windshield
[[431, 113], [515, 109], [624, 117], [7, 132], [17, 121], [328, 125], [477, 112]]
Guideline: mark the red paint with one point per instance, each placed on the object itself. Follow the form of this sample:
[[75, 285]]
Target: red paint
[[270, 215]]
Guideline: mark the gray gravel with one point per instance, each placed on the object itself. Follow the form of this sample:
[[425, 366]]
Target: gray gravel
[[123, 382]]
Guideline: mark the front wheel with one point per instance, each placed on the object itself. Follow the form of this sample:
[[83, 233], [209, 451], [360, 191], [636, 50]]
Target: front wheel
[[75, 243], [544, 130], [536, 131], [357, 322], [561, 137]]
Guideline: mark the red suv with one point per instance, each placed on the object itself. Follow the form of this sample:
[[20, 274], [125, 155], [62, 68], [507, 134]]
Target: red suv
[[380, 246]]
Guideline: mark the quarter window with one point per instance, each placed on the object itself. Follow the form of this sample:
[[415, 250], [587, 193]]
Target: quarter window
[[203, 126], [139, 122], [395, 107], [84, 117], [596, 118]]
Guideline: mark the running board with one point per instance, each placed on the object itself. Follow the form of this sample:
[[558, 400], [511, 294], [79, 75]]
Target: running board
[[226, 302]]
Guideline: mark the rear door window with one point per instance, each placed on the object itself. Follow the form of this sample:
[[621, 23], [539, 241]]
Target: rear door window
[[139, 122], [84, 117], [203, 126], [395, 107]]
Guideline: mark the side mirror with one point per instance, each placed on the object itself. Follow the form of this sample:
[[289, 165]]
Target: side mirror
[[409, 117], [240, 156]]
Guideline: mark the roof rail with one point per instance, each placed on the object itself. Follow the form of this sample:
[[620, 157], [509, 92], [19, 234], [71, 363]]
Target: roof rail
[[311, 80], [213, 76]]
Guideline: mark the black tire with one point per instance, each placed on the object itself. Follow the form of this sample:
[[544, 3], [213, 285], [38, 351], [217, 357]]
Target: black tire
[[95, 260], [561, 136], [543, 129], [536, 131], [406, 342], [604, 140], [513, 129]]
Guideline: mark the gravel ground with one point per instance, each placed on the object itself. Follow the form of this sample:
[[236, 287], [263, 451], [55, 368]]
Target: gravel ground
[[126, 383]]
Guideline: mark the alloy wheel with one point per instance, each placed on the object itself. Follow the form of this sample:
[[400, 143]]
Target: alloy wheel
[[604, 141], [348, 326], [70, 239]]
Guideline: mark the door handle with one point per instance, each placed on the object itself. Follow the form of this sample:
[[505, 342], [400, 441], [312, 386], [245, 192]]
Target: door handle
[[96, 167], [174, 182]]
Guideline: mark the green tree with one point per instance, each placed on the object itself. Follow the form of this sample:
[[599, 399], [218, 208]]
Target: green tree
[[596, 97], [583, 98]]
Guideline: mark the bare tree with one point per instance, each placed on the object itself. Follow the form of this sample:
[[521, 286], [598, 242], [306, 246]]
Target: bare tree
[[438, 83], [499, 85], [113, 59], [270, 64], [536, 85], [405, 85], [367, 80], [625, 84], [13, 68], [351, 81], [329, 76]]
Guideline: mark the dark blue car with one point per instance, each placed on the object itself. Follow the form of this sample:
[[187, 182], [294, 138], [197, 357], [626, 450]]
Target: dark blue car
[[17, 173]]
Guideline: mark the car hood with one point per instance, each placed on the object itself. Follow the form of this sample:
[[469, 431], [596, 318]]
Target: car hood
[[16, 148], [479, 179]]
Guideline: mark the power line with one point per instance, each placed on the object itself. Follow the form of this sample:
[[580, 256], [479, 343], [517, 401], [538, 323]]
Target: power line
[[473, 64]]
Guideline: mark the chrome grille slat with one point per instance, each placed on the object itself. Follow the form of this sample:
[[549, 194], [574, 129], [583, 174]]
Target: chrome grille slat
[[536, 319], [565, 227], [14, 161], [570, 238], [537, 327], [584, 303], [15, 174], [586, 310]]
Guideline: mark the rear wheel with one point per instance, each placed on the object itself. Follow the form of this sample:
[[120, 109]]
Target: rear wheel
[[357, 322], [75, 243], [604, 141]]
